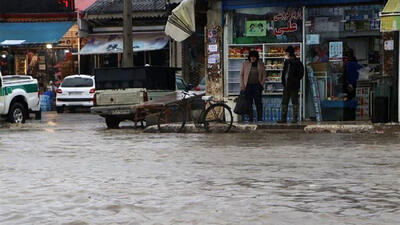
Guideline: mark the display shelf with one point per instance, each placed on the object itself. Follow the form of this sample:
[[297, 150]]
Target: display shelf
[[20, 64], [273, 69], [274, 57], [273, 93], [272, 54]]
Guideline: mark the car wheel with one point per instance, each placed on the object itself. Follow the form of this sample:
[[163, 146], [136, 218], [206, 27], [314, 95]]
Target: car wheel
[[112, 122], [60, 109], [17, 113]]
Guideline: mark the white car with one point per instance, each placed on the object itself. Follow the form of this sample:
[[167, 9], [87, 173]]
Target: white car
[[75, 91]]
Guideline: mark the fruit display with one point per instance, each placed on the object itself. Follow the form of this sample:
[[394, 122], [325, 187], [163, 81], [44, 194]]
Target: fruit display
[[280, 51], [276, 52], [274, 77], [274, 64], [243, 52]]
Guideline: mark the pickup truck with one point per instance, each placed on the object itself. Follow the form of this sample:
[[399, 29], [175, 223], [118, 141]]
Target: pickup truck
[[119, 89], [19, 95]]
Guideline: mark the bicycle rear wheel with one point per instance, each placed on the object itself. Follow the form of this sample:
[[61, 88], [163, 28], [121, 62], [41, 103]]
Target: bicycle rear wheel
[[218, 118], [172, 114]]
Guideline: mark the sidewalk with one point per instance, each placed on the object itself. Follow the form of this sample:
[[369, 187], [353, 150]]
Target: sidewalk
[[330, 127], [304, 127]]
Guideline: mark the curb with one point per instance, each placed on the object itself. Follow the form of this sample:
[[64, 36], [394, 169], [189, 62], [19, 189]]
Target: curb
[[340, 129]]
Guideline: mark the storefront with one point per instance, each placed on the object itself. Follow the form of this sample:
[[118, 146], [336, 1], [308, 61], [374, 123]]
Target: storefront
[[325, 35], [40, 49]]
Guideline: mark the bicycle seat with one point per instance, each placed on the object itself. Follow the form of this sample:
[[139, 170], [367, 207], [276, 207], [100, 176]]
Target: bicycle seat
[[207, 98]]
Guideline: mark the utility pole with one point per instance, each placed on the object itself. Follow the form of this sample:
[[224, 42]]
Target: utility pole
[[127, 56]]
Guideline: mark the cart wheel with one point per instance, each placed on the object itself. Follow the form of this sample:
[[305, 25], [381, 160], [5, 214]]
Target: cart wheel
[[141, 124], [174, 115]]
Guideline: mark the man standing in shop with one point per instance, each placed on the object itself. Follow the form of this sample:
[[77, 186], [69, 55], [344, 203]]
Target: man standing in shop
[[351, 74], [293, 72]]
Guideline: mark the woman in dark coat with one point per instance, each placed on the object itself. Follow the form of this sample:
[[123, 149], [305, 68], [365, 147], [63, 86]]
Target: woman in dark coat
[[252, 80]]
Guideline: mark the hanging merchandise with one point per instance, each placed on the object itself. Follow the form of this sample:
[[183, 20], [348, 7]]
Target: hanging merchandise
[[181, 24]]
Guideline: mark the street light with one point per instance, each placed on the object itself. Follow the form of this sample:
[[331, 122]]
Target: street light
[[49, 46]]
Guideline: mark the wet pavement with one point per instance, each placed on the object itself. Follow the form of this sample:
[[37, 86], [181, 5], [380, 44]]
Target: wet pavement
[[70, 169]]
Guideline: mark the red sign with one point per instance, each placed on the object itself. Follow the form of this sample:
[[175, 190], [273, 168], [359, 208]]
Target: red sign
[[66, 3]]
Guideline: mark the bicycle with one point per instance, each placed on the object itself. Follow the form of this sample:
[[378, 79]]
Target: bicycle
[[216, 116]]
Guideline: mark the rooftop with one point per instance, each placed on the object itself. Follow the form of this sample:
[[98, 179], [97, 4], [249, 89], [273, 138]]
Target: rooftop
[[116, 6]]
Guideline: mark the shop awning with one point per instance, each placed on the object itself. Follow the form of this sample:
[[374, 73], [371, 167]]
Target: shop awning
[[240, 4], [110, 44], [33, 33], [390, 16], [181, 23]]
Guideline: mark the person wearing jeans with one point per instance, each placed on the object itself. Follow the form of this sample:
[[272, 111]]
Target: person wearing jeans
[[293, 71], [252, 79]]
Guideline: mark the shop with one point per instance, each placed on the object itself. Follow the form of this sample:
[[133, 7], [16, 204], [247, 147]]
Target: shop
[[326, 36], [40, 49]]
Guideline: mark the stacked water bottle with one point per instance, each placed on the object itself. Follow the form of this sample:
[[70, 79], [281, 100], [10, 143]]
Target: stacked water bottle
[[272, 110], [46, 101]]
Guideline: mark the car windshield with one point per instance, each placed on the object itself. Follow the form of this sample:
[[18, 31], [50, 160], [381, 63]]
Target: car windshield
[[180, 84], [77, 82]]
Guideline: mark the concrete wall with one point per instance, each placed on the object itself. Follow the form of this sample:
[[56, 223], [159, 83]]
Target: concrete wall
[[214, 73]]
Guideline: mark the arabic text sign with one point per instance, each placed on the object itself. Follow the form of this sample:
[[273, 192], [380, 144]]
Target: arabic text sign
[[335, 51], [289, 18], [256, 28]]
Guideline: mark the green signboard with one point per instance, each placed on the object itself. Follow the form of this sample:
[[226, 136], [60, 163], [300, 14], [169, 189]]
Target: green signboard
[[256, 28]]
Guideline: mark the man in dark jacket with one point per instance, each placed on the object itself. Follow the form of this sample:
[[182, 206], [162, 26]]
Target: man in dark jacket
[[292, 74], [351, 74]]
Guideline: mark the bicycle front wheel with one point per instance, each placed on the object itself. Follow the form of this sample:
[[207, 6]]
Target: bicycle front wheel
[[218, 118], [173, 115]]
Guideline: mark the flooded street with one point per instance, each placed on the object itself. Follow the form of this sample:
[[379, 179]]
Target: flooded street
[[70, 169]]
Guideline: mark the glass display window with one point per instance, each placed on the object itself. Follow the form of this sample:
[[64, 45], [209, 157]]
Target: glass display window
[[267, 25], [336, 36]]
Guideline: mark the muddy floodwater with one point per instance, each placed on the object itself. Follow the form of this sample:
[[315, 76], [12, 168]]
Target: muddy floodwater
[[70, 169]]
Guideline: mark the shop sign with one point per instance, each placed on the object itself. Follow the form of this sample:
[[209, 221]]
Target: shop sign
[[288, 17], [335, 51], [42, 6]]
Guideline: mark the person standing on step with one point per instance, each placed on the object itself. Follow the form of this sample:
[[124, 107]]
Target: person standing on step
[[252, 80], [293, 72]]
